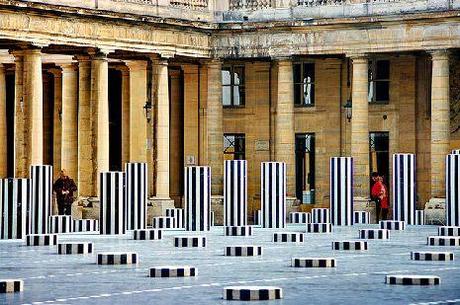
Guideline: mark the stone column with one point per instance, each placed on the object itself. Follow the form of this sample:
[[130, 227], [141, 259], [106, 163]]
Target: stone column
[[440, 121], [214, 122], [57, 118], [20, 110], [360, 127], [69, 146], [191, 112], [85, 135], [33, 98], [284, 121], [161, 92], [100, 104], [3, 133], [137, 99]]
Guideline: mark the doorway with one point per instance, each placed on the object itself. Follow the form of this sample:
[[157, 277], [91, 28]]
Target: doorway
[[379, 155], [305, 167], [115, 122]]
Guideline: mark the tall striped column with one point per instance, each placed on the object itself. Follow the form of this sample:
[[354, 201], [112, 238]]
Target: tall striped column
[[41, 191], [453, 190], [111, 196], [273, 194], [235, 193], [198, 198], [14, 199], [136, 196], [341, 191], [404, 188]]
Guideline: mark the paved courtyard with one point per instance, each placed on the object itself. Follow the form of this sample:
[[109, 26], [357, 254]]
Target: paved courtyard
[[359, 277]]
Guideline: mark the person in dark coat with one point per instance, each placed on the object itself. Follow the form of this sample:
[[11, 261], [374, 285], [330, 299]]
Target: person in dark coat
[[64, 187]]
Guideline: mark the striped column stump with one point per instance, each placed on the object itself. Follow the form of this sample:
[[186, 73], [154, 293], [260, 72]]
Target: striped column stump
[[400, 279], [341, 191], [75, 248], [197, 198], [213, 219], [243, 250], [235, 193], [111, 194], [163, 222], [361, 217], [60, 224], [455, 151], [309, 262], [14, 200], [252, 293], [178, 215], [453, 190], [136, 196], [431, 256], [117, 258], [374, 234], [404, 188], [300, 217], [41, 239], [288, 237], [320, 215], [41, 191], [349, 245], [85, 225], [11, 285], [394, 225], [172, 271], [190, 241], [448, 231], [273, 194], [258, 217], [448, 241], [319, 228], [238, 231], [419, 217], [147, 234]]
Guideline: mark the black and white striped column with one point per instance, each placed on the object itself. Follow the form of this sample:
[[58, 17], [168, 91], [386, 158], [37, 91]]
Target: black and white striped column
[[361, 217], [136, 196], [14, 198], [273, 194], [111, 195], [178, 215], [420, 217], [235, 193], [257, 217], [198, 198], [455, 151], [404, 188], [453, 190], [41, 191], [341, 191]]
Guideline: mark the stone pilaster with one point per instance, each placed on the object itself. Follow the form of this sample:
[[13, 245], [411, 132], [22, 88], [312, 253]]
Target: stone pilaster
[[20, 115], [191, 112], [137, 99], [284, 121], [161, 102], [440, 121], [360, 126], [3, 133], [214, 122], [57, 118]]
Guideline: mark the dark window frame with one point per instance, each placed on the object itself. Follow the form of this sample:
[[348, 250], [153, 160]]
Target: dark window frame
[[299, 85], [375, 81], [241, 87], [238, 154]]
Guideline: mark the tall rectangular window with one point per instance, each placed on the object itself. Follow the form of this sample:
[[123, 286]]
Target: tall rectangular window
[[233, 86], [379, 81], [304, 84], [379, 155], [305, 167], [234, 146]]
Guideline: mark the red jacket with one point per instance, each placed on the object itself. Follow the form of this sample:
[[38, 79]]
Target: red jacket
[[380, 190]]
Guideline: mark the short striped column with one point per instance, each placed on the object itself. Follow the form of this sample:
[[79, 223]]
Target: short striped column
[[455, 151], [404, 188], [341, 191], [257, 217], [136, 196], [41, 190], [75, 248], [361, 217], [273, 194], [111, 194], [61, 224], [41, 239], [85, 225], [198, 198], [178, 215], [453, 190], [11, 285], [300, 217], [14, 199], [163, 222], [235, 193], [320, 215], [448, 231], [420, 217]]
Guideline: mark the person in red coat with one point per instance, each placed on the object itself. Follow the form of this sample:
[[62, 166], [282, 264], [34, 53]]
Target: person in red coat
[[379, 193]]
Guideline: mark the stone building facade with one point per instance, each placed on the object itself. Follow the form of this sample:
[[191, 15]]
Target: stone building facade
[[89, 86]]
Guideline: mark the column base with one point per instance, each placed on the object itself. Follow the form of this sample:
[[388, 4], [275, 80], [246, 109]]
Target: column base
[[435, 211], [157, 206], [365, 204]]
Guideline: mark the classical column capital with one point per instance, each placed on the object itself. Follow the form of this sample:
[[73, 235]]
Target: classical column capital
[[212, 62], [358, 58], [68, 66], [441, 54], [282, 60], [136, 64], [56, 72]]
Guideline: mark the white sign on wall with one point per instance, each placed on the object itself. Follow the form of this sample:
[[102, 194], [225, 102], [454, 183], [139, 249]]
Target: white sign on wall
[[262, 145]]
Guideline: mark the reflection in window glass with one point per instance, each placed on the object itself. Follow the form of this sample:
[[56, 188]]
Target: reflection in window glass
[[233, 93], [234, 146], [379, 81], [304, 84]]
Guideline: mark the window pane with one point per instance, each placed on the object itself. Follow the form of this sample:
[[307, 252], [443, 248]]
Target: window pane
[[382, 93], [229, 142], [383, 69], [297, 94], [297, 73], [226, 76], [242, 96], [238, 75], [236, 96], [308, 72], [308, 94], [226, 96]]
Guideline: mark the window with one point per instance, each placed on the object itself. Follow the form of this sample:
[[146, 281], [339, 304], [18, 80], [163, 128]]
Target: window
[[379, 81], [234, 146], [304, 84], [305, 167], [233, 92]]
